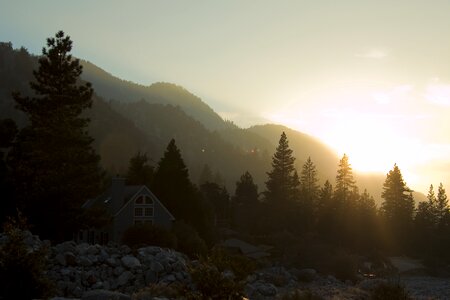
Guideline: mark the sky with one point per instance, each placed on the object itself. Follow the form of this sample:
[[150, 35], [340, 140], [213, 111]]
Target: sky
[[369, 78]]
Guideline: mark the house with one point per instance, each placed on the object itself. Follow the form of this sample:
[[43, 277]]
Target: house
[[127, 205]]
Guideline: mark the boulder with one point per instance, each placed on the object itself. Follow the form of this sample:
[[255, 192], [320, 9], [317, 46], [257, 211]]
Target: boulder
[[104, 295], [130, 262]]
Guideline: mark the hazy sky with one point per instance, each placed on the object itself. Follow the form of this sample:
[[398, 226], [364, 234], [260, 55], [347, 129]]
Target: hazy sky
[[370, 78]]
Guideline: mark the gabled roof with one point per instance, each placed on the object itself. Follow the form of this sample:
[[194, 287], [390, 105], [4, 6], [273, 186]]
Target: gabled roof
[[128, 193]]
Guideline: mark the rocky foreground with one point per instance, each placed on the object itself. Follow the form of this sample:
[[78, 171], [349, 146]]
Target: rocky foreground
[[88, 272]]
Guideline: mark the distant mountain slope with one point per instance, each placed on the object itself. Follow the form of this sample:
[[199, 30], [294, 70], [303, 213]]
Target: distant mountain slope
[[112, 88]]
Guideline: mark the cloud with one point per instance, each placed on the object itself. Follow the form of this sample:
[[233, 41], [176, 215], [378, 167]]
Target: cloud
[[396, 93], [438, 93], [373, 54]]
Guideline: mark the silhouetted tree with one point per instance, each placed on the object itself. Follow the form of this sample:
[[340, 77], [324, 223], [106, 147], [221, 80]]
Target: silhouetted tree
[[345, 183], [171, 184], [8, 132], [54, 165], [219, 199], [139, 171], [205, 175], [246, 206], [442, 207], [397, 209], [309, 192], [281, 187]]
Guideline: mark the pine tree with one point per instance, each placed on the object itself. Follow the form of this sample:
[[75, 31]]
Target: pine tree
[[246, 206], [442, 207], [139, 171], [280, 185], [282, 188], [171, 184], [397, 207], [246, 193], [345, 183], [54, 165], [309, 182]]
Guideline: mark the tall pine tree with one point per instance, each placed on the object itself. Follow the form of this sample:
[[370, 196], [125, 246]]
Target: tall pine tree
[[54, 165], [397, 209], [281, 186], [171, 184]]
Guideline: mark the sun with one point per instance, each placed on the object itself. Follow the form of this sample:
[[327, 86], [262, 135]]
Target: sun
[[373, 143]]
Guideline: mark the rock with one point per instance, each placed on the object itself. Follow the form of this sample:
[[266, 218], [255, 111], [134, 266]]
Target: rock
[[151, 277], [104, 295], [84, 261], [156, 267], [71, 259], [130, 262], [124, 278], [306, 275], [118, 270], [371, 284], [82, 248], [61, 259], [261, 288]]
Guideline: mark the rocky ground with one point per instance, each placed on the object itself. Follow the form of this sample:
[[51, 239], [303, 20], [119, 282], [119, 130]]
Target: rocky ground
[[89, 272]]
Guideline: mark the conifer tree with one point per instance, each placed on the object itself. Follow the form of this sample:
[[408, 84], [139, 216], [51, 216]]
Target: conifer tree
[[54, 165], [280, 185], [246, 193], [309, 182], [397, 207], [345, 183], [442, 207], [171, 184], [139, 171]]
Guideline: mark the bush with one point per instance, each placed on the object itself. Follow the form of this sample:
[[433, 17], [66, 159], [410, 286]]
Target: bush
[[22, 272], [240, 265], [301, 295], [391, 291], [188, 240], [213, 284], [148, 235]]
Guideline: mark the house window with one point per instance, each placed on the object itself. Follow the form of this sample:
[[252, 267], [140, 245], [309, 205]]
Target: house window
[[140, 200], [138, 211], [143, 210], [148, 212]]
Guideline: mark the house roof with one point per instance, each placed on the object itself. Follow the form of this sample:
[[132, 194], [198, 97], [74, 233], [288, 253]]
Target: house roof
[[127, 194]]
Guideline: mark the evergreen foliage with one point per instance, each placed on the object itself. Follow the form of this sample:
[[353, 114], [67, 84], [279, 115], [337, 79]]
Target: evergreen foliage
[[139, 171], [54, 165], [246, 205], [281, 186], [397, 209], [171, 184], [345, 183]]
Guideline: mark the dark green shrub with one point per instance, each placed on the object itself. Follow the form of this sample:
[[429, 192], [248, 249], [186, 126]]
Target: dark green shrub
[[391, 291], [148, 235], [188, 240], [22, 272]]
